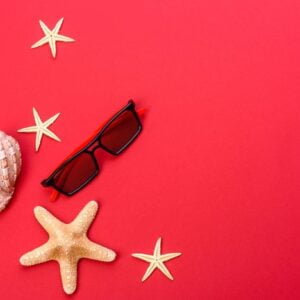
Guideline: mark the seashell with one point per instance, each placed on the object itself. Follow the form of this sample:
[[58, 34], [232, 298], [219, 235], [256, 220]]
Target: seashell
[[10, 166]]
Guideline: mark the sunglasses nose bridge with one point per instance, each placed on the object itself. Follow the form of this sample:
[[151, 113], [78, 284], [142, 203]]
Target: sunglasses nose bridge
[[92, 150]]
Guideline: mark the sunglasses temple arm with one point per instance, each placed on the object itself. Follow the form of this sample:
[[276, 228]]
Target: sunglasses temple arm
[[54, 195]]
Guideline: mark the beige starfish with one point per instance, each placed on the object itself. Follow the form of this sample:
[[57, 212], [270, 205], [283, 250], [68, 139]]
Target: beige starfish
[[67, 244], [41, 128], [52, 36], [156, 260]]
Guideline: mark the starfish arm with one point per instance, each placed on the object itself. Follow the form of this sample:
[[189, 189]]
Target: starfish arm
[[47, 220], [145, 257], [52, 46], [38, 139], [63, 38], [51, 134], [41, 42], [149, 271], [85, 218], [97, 252], [157, 248], [37, 118], [44, 27], [56, 29], [29, 129], [164, 269], [68, 274], [37, 256], [51, 120], [166, 257]]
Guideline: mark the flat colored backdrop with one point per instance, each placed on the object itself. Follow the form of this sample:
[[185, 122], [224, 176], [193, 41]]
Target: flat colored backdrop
[[215, 172]]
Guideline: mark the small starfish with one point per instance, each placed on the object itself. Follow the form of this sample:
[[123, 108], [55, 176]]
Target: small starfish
[[41, 128], [67, 244], [156, 260], [52, 36]]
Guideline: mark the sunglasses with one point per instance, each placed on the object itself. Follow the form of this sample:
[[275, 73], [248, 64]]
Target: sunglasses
[[82, 167]]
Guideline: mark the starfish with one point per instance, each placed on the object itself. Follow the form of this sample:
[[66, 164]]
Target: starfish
[[52, 36], [41, 128], [67, 244], [156, 260]]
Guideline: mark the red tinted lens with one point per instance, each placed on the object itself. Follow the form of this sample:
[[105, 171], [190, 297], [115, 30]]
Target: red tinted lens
[[76, 173], [120, 132]]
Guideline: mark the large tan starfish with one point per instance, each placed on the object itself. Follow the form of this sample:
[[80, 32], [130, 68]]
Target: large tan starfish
[[156, 260], [67, 244]]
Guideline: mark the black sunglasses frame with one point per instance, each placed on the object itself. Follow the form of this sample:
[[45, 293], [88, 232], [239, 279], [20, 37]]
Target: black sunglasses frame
[[97, 139]]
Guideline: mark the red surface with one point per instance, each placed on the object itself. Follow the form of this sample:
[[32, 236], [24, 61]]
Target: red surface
[[216, 170]]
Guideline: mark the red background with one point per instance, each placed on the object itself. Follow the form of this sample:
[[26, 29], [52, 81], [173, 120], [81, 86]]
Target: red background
[[216, 170]]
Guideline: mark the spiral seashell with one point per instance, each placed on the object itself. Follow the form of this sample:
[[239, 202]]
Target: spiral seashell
[[10, 166]]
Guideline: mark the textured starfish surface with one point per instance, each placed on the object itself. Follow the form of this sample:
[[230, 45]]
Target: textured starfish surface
[[67, 244], [52, 36], [156, 260], [41, 128]]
